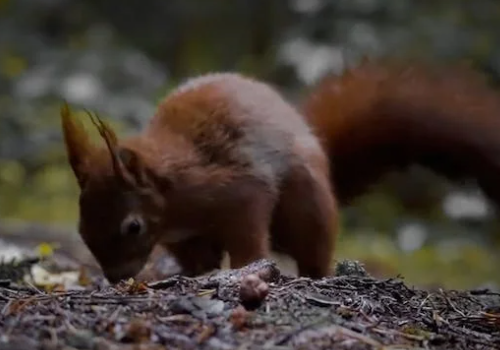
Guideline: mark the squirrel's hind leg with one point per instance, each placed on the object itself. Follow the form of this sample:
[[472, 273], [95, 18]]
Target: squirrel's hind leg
[[304, 223]]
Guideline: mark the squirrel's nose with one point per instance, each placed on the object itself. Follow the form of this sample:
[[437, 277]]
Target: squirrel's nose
[[123, 271], [116, 275], [114, 278]]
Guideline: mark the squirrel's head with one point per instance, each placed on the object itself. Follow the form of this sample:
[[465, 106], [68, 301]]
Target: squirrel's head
[[120, 206]]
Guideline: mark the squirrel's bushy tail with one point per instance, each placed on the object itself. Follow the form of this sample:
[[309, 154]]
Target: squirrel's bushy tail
[[377, 118]]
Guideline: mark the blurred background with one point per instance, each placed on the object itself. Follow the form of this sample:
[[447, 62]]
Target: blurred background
[[119, 59]]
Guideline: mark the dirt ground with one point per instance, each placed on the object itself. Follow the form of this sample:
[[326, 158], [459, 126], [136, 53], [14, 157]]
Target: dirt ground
[[230, 310]]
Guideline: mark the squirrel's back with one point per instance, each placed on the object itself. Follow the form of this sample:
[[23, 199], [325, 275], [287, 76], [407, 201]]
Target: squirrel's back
[[236, 121]]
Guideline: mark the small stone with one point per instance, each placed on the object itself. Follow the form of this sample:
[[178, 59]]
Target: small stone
[[253, 291]]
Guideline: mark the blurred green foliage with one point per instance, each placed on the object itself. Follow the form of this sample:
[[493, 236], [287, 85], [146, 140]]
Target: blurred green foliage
[[462, 266]]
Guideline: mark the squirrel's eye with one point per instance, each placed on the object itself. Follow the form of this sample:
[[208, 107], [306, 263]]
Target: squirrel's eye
[[132, 226]]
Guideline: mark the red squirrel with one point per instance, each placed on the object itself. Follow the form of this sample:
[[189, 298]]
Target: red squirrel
[[227, 164]]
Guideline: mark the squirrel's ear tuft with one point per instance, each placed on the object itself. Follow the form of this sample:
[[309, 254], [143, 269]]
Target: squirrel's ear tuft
[[125, 162], [78, 146]]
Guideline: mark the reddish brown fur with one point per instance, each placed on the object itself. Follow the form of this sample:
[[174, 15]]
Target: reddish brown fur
[[227, 165], [377, 118]]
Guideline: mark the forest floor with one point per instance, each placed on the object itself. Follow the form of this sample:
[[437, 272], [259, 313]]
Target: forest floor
[[256, 307]]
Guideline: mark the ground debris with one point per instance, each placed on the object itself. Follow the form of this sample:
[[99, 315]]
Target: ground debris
[[350, 311]]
